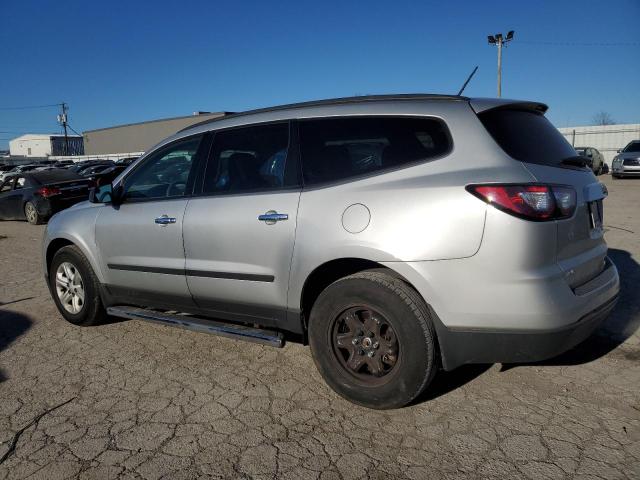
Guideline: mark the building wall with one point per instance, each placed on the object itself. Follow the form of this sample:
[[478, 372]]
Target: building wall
[[31, 146], [608, 139], [137, 137], [73, 146], [36, 145]]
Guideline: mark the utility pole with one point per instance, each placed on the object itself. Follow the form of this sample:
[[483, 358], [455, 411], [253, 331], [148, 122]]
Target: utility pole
[[62, 118], [498, 40]]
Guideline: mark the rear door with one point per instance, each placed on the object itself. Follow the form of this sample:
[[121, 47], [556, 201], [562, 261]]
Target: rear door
[[527, 136], [239, 231], [140, 241]]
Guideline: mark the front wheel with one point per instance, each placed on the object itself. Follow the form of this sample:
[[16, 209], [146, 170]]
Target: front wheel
[[372, 339], [75, 288]]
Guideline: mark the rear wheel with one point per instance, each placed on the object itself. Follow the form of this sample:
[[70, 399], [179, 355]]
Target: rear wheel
[[75, 288], [372, 340], [31, 212]]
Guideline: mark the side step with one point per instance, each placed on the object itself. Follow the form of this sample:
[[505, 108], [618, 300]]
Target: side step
[[229, 330]]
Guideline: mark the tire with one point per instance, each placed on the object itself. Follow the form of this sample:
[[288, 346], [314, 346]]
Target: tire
[[90, 310], [32, 215], [336, 316]]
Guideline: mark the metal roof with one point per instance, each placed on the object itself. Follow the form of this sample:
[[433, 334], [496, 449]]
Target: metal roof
[[201, 114], [335, 101]]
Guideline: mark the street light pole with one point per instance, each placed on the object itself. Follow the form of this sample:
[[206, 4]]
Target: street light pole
[[498, 40], [500, 66]]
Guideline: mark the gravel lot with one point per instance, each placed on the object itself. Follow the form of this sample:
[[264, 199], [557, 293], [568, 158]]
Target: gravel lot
[[148, 401]]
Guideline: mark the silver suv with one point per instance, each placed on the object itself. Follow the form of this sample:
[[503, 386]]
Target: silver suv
[[396, 234]]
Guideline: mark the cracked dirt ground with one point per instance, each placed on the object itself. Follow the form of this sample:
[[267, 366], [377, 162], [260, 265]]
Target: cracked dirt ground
[[151, 401]]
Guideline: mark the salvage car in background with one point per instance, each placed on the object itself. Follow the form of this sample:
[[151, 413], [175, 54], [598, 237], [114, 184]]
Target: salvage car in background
[[36, 196], [627, 162], [595, 160]]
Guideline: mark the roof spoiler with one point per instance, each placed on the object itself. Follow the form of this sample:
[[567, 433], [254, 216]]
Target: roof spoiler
[[480, 105]]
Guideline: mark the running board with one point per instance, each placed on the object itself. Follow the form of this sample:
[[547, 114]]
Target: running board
[[229, 330]]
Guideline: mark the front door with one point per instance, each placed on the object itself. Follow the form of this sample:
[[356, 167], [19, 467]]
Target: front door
[[239, 232], [7, 199], [140, 240]]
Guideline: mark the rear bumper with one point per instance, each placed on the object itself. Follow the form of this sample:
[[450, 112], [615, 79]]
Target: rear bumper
[[480, 346], [479, 319], [48, 206]]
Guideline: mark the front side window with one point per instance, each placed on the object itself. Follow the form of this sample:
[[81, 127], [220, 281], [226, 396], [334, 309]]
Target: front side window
[[165, 173], [336, 149], [6, 185], [248, 159]]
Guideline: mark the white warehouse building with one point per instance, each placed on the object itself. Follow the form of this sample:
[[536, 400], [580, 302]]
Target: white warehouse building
[[44, 145], [608, 139]]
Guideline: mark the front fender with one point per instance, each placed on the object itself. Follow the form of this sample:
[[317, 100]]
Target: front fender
[[75, 226]]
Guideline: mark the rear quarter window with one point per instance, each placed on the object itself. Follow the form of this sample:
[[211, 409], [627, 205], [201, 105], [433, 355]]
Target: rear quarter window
[[527, 136], [340, 148]]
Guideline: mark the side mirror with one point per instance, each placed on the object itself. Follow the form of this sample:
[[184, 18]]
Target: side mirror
[[619, 150], [105, 194]]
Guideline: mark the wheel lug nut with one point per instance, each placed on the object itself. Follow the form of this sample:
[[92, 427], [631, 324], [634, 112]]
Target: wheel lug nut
[[376, 345], [360, 352], [355, 341], [371, 353]]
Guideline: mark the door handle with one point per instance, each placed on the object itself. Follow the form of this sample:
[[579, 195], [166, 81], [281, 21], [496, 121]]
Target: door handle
[[272, 217], [165, 220]]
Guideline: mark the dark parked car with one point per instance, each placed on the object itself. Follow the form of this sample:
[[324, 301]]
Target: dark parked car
[[36, 196], [64, 163], [18, 169], [80, 166], [106, 175], [95, 169], [595, 158], [126, 161]]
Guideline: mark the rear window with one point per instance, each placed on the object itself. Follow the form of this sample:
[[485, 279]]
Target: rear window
[[527, 136], [337, 149]]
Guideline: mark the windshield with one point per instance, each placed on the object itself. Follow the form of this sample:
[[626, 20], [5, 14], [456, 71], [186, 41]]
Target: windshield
[[632, 147], [527, 136]]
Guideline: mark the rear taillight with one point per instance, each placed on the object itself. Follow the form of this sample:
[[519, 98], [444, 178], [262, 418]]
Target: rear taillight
[[531, 202], [47, 192]]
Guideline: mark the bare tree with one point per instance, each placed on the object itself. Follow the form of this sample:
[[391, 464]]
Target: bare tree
[[603, 118]]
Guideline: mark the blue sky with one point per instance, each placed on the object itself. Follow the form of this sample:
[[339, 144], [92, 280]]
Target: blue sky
[[118, 62]]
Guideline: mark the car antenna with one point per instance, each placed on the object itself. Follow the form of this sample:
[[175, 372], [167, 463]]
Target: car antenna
[[467, 81]]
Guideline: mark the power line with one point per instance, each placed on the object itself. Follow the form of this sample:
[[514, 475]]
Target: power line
[[71, 128], [30, 107], [581, 44]]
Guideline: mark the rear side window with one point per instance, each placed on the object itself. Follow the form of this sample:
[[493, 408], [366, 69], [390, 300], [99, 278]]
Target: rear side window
[[248, 159], [527, 136], [337, 149]]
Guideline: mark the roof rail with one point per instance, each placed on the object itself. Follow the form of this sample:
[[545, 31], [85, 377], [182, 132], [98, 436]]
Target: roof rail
[[332, 101]]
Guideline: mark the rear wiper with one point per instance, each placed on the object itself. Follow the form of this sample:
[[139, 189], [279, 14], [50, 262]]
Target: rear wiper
[[578, 161]]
